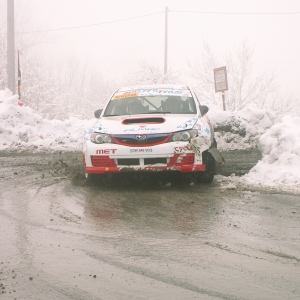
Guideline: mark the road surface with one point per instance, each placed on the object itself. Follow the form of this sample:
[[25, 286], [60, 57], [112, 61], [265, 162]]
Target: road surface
[[63, 239]]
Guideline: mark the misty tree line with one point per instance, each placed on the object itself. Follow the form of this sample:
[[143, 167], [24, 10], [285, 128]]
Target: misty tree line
[[77, 89]]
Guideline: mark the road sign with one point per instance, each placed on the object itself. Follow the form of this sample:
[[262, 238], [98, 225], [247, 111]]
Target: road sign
[[221, 83]]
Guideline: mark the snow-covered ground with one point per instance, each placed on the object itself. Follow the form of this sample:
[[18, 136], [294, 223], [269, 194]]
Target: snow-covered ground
[[279, 142], [22, 129], [241, 129]]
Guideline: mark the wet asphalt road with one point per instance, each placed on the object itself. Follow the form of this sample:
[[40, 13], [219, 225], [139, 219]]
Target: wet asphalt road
[[62, 239]]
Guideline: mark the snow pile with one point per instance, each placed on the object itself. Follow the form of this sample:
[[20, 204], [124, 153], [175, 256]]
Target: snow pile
[[280, 165], [22, 129], [7, 98], [241, 129]]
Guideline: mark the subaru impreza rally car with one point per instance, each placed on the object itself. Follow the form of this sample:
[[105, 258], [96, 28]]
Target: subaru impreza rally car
[[159, 128]]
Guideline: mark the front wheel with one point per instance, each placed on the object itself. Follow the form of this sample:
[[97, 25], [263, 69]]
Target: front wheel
[[208, 175], [91, 178]]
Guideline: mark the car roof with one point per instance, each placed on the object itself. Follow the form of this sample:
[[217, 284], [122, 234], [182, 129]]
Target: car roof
[[154, 86]]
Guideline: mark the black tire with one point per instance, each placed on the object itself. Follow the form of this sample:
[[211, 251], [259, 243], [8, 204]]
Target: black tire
[[91, 179], [207, 176]]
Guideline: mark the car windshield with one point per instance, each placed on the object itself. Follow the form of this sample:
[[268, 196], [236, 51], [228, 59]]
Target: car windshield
[[150, 102]]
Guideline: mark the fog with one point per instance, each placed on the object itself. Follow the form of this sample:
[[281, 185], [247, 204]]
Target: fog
[[74, 54], [115, 35]]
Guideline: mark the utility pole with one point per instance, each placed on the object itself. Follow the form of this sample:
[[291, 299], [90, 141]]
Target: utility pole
[[11, 46], [166, 43]]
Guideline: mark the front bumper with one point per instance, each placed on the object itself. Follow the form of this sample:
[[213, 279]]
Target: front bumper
[[113, 158]]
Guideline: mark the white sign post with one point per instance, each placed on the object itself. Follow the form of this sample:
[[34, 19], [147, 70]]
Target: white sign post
[[221, 84]]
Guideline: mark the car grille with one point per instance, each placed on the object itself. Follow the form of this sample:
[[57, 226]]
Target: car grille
[[106, 161], [148, 139], [128, 162], [155, 160], [136, 161]]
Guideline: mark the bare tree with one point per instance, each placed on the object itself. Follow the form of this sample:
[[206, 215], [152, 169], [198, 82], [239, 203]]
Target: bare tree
[[245, 89], [201, 71], [150, 74], [282, 105]]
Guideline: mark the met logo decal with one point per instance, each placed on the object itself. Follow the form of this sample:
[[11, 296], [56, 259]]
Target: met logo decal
[[106, 151]]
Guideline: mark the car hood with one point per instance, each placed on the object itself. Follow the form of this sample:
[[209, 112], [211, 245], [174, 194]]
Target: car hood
[[145, 123]]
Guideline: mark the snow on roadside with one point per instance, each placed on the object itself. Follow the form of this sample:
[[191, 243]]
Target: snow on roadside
[[279, 169], [240, 129], [21, 129], [280, 165]]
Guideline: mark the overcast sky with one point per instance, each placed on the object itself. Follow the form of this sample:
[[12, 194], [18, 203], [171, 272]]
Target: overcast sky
[[117, 46]]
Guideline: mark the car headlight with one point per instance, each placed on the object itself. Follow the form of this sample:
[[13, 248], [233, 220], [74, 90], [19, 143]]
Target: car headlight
[[100, 138], [184, 136]]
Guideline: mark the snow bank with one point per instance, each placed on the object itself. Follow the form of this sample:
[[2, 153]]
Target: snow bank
[[22, 129], [280, 165], [7, 98], [241, 129]]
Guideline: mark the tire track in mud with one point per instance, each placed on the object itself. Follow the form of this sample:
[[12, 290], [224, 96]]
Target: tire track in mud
[[282, 255], [156, 276]]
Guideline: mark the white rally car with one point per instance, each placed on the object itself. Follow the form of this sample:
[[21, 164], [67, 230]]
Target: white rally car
[[160, 128]]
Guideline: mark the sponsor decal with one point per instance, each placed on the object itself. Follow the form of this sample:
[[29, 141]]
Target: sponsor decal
[[180, 149], [141, 150], [188, 124], [125, 95], [142, 129], [203, 128], [106, 151], [184, 126], [99, 127], [164, 92], [152, 92]]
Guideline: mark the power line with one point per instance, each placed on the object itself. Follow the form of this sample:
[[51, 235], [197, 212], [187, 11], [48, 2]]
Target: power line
[[176, 11], [235, 13], [96, 24]]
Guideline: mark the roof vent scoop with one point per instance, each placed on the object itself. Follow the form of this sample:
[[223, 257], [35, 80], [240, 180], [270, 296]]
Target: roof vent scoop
[[144, 121]]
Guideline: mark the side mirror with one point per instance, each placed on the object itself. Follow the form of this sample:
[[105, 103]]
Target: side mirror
[[204, 109], [97, 113]]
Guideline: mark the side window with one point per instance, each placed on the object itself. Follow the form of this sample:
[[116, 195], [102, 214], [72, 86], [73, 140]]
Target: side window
[[197, 102], [114, 107], [191, 105], [109, 108]]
